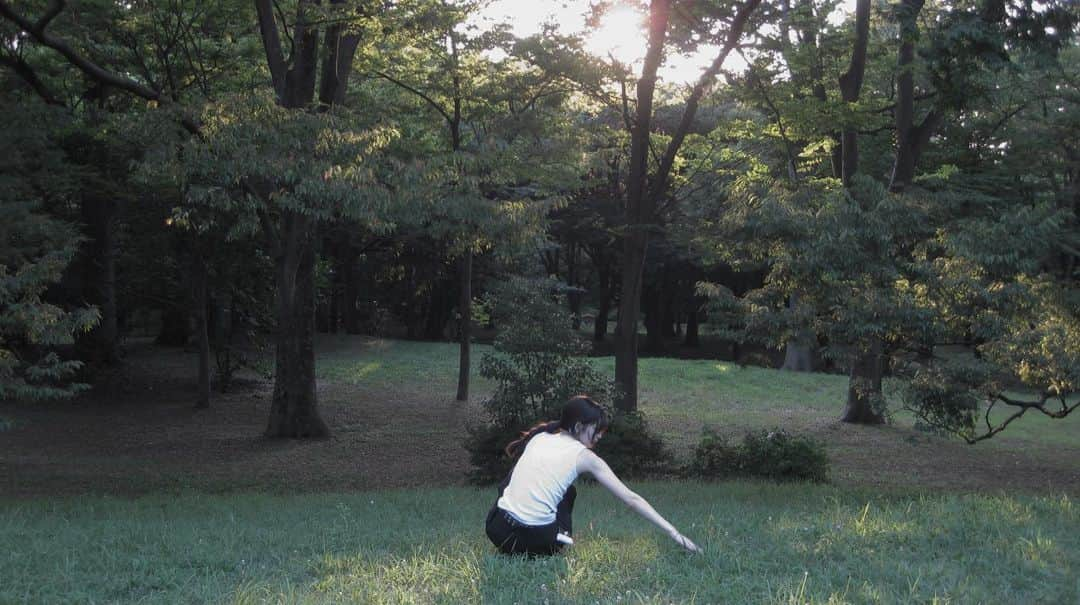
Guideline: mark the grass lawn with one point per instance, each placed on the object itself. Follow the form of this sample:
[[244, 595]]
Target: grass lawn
[[209, 512], [764, 544], [679, 396]]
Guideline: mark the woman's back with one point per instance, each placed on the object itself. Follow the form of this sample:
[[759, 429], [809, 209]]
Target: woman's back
[[547, 467]]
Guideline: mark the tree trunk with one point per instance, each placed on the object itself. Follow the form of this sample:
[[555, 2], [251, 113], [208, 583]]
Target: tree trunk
[[200, 302], [652, 304], [223, 326], [465, 330], [644, 191], [413, 316], [573, 297], [668, 318], [294, 411], [640, 210], [864, 386], [348, 303], [691, 339], [99, 278], [850, 86], [334, 313], [175, 327], [438, 311], [626, 338], [603, 304], [799, 351], [904, 166]]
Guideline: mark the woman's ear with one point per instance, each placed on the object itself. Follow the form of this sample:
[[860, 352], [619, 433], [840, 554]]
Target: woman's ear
[[577, 428]]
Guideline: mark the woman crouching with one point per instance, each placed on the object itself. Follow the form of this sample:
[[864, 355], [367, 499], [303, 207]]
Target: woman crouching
[[533, 513]]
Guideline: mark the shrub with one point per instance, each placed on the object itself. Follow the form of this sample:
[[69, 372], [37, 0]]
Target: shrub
[[632, 450], [538, 362], [485, 444], [775, 455], [713, 457]]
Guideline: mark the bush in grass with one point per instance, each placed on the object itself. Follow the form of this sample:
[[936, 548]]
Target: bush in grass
[[538, 362], [776, 455], [713, 457], [632, 450]]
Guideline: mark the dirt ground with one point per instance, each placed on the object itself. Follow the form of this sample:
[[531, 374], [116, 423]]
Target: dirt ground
[[139, 433]]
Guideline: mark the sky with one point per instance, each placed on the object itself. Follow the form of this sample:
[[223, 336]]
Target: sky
[[615, 36]]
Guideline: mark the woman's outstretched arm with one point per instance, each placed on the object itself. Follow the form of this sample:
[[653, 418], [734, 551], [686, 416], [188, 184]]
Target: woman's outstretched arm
[[590, 463]]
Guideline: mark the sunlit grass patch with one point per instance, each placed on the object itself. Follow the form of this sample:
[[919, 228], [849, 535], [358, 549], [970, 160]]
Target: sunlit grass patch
[[382, 363]]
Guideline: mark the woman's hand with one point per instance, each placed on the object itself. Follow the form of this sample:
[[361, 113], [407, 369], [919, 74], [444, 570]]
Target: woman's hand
[[685, 542]]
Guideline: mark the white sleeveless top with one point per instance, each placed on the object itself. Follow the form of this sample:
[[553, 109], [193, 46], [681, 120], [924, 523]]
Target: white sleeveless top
[[538, 483]]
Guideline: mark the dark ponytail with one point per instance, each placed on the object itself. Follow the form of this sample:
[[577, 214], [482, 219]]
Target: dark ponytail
[[579, 410], [516, 447]]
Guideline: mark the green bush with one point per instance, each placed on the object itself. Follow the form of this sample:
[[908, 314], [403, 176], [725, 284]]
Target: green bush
[[537, 360], [713, 457], [632, 450], [776, 455], [486, 444], [538, 363]]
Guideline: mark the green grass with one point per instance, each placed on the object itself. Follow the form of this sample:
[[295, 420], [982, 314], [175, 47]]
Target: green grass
[[382, 363], [679, 396], [764, 544]]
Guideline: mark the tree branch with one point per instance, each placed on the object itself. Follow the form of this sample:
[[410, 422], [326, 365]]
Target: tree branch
[[443, 112], [702, 85], [27, 73], [90, 68], [793, 168], [891, 107], [55, 8], [625, 106], [1023, 406]]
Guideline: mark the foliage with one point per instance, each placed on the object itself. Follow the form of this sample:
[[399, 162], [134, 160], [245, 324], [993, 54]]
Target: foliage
[[843, 252], [35, 249], [538, 364], [327, 166], [496, 146], [537, 360], [776, 455], [633, 449], [953, 260]]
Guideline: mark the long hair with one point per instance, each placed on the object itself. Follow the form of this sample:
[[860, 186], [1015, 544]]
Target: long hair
[[580, 409]]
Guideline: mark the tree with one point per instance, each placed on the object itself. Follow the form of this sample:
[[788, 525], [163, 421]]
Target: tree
[[965, 254], [493, 152], [163, 46], [35, 249], [647, 189], [290, 226]]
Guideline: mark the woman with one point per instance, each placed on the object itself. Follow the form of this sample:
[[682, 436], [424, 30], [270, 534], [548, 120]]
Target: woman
[[533, 512]]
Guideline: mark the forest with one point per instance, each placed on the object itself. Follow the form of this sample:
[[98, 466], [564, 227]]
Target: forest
[[886, 193]]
